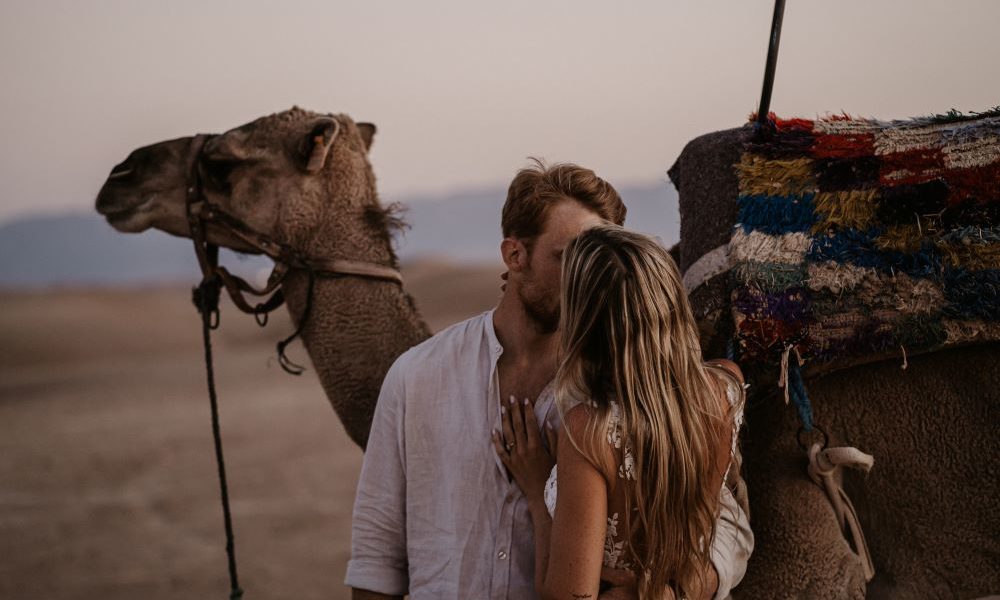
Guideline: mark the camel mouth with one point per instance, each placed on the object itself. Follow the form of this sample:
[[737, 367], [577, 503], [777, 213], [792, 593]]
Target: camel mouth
[[127, 220]]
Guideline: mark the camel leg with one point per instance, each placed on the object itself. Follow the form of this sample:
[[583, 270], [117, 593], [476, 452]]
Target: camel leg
[[799, 550]]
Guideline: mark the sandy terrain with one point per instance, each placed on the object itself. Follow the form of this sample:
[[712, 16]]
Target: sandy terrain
[[108, 486]]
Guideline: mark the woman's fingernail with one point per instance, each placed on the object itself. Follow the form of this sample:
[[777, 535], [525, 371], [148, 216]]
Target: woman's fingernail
[[503, 410], [526, 402], [512, 399]]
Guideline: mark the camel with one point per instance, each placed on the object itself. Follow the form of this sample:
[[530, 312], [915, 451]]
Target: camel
[[283, 179], [928, 507]]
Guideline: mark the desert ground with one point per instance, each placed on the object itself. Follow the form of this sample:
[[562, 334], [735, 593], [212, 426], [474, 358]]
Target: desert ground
[[108, 484]]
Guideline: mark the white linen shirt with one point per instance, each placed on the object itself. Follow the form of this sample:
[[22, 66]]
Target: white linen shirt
[[435, 515]]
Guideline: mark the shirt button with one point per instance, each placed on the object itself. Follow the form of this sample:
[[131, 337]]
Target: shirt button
[[502, 555]]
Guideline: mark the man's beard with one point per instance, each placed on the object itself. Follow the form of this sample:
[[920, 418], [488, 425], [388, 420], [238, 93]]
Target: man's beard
[[544, 318]]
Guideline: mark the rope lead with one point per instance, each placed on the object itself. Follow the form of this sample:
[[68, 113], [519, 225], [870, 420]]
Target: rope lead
[[283, 360], [206, 299]]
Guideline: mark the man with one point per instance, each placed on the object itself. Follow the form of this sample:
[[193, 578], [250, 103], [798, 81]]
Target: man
[[436, 515]]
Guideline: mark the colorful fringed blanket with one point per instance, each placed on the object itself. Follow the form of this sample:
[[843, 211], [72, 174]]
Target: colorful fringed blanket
[[860, 239]]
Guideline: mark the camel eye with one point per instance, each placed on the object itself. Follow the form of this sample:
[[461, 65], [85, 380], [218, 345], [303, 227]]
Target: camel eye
[[217, 172]]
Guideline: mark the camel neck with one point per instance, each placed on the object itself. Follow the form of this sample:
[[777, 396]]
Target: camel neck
[[356, 329]]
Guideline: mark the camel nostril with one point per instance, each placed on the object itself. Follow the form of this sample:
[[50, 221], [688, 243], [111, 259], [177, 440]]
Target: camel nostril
[[122, 169]]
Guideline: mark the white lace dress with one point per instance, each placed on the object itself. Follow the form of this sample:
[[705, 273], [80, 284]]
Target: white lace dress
[[615, 541]]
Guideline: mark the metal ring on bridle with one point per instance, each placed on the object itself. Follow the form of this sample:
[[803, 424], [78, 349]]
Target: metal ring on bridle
[[798, 437]]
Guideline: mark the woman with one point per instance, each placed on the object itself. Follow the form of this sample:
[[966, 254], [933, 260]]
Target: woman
[[649, 430]]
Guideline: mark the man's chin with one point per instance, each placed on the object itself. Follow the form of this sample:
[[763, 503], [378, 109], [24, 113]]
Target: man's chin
[[543, 317]]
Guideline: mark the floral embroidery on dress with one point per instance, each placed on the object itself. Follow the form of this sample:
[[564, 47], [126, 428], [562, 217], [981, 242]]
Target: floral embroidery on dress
[[626, 470], [615, 426], [550, 491], [612, 549]]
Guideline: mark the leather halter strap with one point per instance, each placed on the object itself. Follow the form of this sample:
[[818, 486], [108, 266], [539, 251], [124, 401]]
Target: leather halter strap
[[201, 213]]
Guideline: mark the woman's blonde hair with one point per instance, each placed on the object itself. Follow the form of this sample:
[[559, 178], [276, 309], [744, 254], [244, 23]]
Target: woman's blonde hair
[[629, 336]]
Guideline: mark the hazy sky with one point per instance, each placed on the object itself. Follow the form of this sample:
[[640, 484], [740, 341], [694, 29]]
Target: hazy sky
[[462, 90]]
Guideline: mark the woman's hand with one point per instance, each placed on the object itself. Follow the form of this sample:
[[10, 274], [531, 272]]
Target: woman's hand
[[521, 451], [620, 584]]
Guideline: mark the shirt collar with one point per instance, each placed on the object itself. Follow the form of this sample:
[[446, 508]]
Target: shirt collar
[[496, 349]]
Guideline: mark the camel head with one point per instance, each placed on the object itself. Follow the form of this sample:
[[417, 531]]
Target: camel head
[[298, 177]]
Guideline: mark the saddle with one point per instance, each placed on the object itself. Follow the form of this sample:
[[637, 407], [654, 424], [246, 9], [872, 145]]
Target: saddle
[[856, 240]]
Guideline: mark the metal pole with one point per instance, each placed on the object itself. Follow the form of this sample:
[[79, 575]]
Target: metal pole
[[772, 59]]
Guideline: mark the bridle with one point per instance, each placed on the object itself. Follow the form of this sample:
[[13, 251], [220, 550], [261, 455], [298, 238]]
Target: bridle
[[200, 215]]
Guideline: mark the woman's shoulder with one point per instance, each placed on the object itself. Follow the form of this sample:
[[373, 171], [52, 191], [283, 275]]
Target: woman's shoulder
[[730, 378], [579, 423], [727, 366], [578, 420]]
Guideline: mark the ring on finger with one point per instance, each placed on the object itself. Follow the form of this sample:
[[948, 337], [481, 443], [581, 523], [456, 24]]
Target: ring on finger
[[510, 446]]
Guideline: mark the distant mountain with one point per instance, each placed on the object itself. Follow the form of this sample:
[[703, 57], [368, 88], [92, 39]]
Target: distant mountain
[[82, 249], [465, 226]]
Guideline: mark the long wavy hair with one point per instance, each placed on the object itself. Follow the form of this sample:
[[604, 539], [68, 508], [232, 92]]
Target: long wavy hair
[[629, 336]]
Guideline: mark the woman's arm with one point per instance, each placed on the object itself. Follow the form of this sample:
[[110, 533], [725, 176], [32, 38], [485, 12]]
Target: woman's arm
[[580, 523]]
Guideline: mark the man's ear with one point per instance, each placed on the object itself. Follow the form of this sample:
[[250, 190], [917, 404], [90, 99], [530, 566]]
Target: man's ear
[[514, 254], [367, 133]]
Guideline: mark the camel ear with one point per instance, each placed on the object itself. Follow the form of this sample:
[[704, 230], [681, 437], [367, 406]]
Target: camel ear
[[367, 133], [316, 146]]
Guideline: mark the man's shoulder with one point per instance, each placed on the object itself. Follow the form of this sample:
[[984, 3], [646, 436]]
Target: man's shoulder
[[446, 345]]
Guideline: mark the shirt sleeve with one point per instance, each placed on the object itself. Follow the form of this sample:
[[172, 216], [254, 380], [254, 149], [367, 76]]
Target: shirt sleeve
[[378, 533], [732, 545]]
